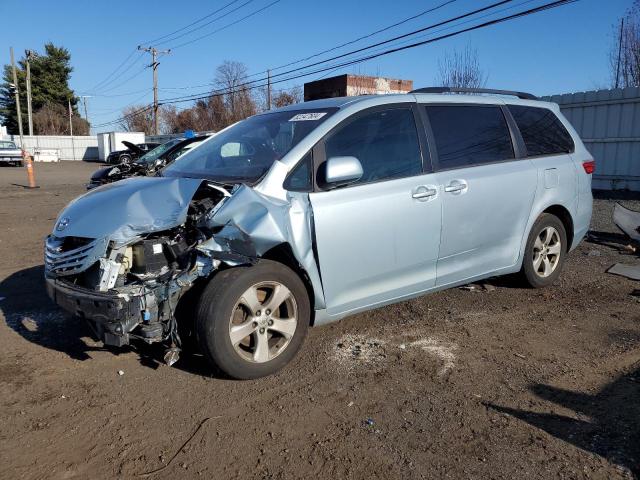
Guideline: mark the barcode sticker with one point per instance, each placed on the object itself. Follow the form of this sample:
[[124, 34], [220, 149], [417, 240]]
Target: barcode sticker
[[304, 117]]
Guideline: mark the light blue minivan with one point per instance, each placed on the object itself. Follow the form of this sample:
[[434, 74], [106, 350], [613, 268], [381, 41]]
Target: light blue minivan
[[303, 215]]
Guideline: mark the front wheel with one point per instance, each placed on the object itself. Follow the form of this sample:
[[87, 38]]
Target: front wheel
[[251, 321], [545, 251]]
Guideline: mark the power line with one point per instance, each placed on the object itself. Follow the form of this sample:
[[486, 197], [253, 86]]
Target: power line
[[369, 35], [226, 26], [524, 13], [206, 24], [102, 113], [420, 30], [531, 11], [127, 80], [113, 72], [128, 94], [350, 42], [111, 77], [401, 22], [149, 42], [398, 37], [116, 75]]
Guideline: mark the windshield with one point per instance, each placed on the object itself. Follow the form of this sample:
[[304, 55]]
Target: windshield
[[8, 145], [245, 151], [153, 155]]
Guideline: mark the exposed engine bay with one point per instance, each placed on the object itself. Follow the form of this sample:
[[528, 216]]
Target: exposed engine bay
[[128, 284]]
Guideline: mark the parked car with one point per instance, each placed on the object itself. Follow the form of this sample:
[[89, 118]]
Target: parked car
[[147, 164], [306, 214], [132, 152], [10, 154]]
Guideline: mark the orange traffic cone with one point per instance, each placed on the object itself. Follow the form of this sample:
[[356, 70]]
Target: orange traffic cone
[[29, 164]]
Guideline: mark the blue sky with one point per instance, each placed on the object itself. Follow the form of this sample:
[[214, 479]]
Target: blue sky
[[557, 51]]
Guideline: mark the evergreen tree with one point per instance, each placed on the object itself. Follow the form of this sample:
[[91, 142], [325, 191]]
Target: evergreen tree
[[50, 75]]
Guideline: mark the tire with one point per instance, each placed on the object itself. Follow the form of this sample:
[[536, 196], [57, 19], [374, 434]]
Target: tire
[[126, 159], [224, 315], [545, 252]]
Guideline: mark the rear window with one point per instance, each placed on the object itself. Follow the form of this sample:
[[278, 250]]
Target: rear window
[[542, 131], [468, 135]]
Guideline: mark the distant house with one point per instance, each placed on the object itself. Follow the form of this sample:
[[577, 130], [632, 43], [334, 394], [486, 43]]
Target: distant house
[[352, 85]]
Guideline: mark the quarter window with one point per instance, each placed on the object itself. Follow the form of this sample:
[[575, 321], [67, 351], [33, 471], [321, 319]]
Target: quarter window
[[299, 180], [542, 131], [469, 135], [385, 142]]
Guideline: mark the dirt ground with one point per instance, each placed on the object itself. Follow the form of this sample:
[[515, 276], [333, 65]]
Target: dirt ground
[[500, 382]]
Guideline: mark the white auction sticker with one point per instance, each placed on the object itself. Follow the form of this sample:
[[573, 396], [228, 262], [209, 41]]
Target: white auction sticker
[[302, 117]]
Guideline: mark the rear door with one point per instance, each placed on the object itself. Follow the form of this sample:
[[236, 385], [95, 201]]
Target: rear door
[[377, 239], [487, 191]]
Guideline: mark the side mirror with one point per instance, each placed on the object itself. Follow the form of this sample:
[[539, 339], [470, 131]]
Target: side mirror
[[340, 171]]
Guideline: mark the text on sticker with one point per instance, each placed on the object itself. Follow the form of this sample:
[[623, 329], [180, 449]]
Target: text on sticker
[[302, 117]]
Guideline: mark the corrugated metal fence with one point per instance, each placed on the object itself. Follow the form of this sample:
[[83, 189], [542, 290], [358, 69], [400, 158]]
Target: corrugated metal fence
[[69, 148], [609, 123]]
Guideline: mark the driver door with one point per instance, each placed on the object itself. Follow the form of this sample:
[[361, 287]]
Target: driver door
[[378, 238]]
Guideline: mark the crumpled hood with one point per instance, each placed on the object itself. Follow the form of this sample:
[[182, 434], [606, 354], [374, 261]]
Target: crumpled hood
[[123, 210]]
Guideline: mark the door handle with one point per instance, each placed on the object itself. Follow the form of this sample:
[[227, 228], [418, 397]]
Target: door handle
[[423, 192], [456, 186]]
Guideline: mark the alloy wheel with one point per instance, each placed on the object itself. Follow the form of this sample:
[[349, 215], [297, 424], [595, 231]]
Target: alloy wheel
[[546, 252], [263, 322]]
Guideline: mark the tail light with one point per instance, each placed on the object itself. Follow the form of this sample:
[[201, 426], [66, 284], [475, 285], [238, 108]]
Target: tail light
[[589, 167]]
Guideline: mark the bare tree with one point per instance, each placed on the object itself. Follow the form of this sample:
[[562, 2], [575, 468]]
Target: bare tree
[[206, 115], [231, 101], [624, 54], [461, 69], [287, 97], [53, 119], [238, 97], [137, 118]]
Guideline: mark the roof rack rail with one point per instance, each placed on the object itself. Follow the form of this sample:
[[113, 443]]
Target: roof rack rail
[[522, 95]]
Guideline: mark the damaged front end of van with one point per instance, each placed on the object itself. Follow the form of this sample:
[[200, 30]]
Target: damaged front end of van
[[122, 256]]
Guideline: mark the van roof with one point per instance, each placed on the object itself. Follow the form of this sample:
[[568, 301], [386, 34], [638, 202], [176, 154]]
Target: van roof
[[340, 102]]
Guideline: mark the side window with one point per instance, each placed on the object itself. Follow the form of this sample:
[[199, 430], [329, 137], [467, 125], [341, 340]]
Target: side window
[[468, 135], [385, 142], [542, 131], [299, 180]]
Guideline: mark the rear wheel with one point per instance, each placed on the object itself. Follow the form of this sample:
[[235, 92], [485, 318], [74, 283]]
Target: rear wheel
[[545, 251], [251, 321]]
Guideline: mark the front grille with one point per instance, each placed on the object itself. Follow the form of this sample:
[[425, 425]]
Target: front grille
[[69, 255]]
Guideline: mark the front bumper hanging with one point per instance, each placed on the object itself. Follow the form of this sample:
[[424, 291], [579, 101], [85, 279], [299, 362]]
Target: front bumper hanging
[[112, 316]]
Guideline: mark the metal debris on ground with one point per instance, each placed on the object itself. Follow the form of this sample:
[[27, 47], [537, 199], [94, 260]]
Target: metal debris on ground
[[120, 372], [631, 272], [474, 287], [628, 221], [171, 355]]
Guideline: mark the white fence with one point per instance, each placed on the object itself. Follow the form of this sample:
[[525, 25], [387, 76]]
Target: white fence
[[608, 122], [69, 148]]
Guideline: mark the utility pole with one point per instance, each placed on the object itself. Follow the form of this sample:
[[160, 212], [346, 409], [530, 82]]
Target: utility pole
[[86, 115], [73, 145], [17, 92], [155, 53], [268, 89], [29, 55], [619, 53]]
